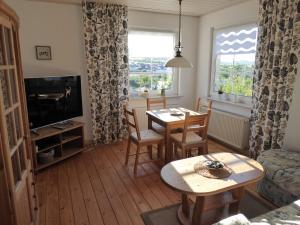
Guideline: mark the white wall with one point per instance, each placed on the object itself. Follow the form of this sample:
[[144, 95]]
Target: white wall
[[60, 26], [237, 15], [292, 139], [240, 14]]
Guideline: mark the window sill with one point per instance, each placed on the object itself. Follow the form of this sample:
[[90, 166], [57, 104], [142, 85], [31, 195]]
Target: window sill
[[238, 104], [133, 97]]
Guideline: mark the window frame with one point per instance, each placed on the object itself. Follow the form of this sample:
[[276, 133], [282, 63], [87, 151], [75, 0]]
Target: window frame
[[230, 98], [175, 74]]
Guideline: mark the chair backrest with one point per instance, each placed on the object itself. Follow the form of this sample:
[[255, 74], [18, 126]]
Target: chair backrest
[[131, 121], [197, 106], [160, 103], [195, 123], [209, 109]]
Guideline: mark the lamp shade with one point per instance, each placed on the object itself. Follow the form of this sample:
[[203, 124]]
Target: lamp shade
[[179, 62]]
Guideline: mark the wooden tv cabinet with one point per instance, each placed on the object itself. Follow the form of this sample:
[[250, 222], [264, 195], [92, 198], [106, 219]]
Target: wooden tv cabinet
[[64, 140]]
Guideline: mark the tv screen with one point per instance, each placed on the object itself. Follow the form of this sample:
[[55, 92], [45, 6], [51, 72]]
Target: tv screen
[[53, 99]]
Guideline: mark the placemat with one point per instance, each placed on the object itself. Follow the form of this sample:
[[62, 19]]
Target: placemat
[[202, 170]]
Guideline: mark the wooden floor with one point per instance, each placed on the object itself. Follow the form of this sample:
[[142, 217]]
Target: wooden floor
[[95, 188]]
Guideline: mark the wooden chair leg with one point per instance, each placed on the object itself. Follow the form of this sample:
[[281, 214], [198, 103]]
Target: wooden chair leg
[[128, 151], [159, 151], [203, 150], [176, 151], [150, 151], [172, 144], [191, 153], [183, 153], [200, 150], [136, 159]]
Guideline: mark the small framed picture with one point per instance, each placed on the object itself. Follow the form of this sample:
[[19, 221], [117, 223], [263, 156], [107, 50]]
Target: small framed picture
[[43, 52]]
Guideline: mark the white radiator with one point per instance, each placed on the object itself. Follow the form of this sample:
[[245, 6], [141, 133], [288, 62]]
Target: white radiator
[[229, 128]]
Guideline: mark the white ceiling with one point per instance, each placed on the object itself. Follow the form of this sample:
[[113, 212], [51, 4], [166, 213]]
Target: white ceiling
[[189, 7]]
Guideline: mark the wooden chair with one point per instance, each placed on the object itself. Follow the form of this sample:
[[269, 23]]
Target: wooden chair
[[190, 138], [140, 138], [157, 103], [197, 106]]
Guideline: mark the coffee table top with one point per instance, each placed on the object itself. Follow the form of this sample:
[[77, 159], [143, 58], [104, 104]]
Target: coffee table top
[[181, 176]]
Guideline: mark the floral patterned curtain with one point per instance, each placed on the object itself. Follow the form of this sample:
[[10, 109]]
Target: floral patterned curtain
[[275, 73], [106, 45]]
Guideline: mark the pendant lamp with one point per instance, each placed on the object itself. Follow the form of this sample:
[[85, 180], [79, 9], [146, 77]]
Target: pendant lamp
[[179, 61]]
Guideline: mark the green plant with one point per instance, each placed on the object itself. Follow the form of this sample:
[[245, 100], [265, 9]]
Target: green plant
[[235, 79]]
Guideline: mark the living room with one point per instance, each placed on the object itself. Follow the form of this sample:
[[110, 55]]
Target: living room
[[99, 186]]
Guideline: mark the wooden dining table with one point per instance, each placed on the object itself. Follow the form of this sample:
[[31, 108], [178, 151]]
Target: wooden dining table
[[167, 119]]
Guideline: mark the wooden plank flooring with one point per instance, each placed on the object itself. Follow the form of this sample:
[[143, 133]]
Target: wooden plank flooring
[[96, 188]]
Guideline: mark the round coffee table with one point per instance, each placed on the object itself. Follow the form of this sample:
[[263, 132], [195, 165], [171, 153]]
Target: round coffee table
[[211, 194]]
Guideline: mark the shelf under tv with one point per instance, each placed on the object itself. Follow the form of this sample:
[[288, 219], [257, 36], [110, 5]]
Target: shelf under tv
[[64, 143]]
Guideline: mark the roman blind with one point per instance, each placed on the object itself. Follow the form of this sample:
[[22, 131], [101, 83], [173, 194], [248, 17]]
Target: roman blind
[[237, 40]]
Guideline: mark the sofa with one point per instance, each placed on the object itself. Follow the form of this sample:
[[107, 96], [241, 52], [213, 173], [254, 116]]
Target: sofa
[[281, 184], [287, 215]]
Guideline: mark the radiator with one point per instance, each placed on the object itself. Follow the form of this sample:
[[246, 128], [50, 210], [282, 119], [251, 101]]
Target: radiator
[[229, 128]]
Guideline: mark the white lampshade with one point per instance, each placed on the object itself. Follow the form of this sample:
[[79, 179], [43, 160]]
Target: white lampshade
[[179, 62]]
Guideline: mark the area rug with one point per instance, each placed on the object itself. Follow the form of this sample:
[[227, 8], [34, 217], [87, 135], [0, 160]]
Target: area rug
[[250, 206]]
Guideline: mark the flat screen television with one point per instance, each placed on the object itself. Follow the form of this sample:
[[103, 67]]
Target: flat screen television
[[52, 100]]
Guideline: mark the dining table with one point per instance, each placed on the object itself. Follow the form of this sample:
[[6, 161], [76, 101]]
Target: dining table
[[171, 119]]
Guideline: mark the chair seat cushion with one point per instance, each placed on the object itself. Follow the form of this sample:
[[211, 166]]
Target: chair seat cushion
[[191, 138], [147, 136], [196, 127], [283, 168], [158, 128]]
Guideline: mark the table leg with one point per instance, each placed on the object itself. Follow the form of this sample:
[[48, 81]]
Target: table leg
[[198, 210], [168, 147], [150, 146], [237, 194], [185, 205]]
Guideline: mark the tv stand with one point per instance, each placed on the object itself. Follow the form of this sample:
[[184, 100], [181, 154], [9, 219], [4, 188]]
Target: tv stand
[[62, 125], [63, 141], [35, 131], [58, 127]]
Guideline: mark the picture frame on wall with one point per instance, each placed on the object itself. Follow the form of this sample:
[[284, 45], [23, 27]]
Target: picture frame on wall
[[43, 52]]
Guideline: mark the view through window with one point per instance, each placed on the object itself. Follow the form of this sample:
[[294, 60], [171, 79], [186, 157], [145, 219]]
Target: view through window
[[234, 58], [148, 53]]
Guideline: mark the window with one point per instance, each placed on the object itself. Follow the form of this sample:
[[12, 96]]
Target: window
[[233, 60], [148, 53]]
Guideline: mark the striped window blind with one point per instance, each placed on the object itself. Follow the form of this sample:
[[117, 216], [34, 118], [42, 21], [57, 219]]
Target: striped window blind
[[233, 60], [236, 40]]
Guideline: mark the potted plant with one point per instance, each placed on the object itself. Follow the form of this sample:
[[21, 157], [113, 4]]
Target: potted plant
[[163, 87], [238, 87], [227, 90], [221, 89]]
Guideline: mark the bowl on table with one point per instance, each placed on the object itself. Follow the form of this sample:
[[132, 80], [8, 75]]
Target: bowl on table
[[213, 164]]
